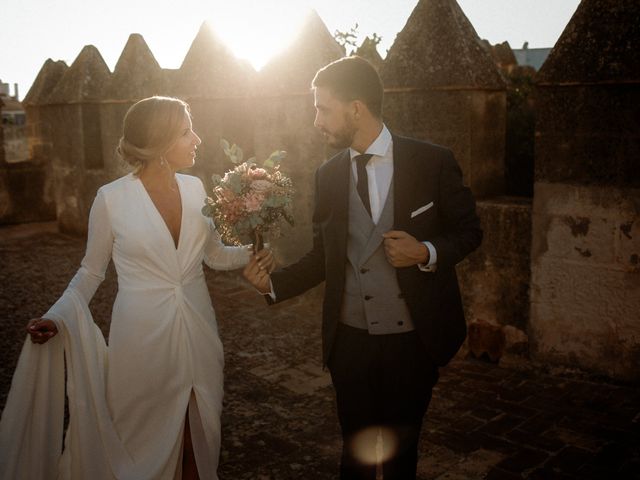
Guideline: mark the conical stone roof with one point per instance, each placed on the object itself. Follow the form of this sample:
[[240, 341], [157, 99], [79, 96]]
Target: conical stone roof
[[137, 74], [47, 79], [294, 68], [439, 47], [85, 80], [210, 69], [600, 43]]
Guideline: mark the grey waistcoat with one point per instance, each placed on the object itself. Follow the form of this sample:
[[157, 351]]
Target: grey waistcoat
[[372, 298]]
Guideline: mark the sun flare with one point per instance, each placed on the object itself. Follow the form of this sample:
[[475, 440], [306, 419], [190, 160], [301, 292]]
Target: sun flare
[[256, 31]]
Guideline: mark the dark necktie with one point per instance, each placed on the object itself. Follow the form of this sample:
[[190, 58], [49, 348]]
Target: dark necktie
[[363, 179]]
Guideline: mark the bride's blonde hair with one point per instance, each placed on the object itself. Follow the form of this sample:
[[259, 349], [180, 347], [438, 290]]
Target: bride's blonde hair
[[149, 129]]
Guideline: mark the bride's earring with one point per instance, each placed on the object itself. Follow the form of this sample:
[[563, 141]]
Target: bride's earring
[[163, 162]]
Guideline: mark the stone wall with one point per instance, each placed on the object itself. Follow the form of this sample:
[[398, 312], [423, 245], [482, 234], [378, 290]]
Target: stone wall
[[585, 290]]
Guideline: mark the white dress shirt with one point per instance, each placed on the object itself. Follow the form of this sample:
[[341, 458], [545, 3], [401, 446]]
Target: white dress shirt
[[379, 176]]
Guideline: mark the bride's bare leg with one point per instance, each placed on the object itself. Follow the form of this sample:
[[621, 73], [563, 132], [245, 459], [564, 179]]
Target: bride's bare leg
[[189, 467]]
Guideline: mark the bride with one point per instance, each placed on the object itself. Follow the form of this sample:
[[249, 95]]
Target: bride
[[148, 406]]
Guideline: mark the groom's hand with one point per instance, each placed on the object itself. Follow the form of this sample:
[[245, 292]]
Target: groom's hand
[[403, 250], [258, 269]]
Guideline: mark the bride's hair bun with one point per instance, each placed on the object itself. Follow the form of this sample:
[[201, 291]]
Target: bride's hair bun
[[134, 156]]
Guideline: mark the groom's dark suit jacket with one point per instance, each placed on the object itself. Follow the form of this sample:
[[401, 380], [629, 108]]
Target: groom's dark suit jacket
[[423, 173]]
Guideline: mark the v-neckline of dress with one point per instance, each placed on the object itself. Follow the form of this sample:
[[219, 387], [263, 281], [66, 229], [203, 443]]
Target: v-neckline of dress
[[159, 215]]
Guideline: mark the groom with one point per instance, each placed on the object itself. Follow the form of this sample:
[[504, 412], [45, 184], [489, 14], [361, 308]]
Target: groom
[[392, 218]]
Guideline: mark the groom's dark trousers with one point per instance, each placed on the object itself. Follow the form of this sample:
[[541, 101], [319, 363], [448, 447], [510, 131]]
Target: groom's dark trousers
[[383, 386]]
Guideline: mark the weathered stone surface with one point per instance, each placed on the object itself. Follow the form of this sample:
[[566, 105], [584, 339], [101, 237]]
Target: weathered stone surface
[[471, 123], [599, 44], [2, 158], [585, 290], [516, 341], [137, 74], [211, 70], [291, 71], [85, 80], [25, 194], [438, 47], [588, 134], [495, 278], [75, 175], [46, 81], [485, 340]]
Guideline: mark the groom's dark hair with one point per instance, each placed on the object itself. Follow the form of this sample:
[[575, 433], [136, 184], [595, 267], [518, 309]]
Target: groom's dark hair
[[352, 78]]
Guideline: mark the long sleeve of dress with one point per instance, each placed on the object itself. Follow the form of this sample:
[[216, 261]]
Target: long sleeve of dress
[[96, 259], [219, 256]]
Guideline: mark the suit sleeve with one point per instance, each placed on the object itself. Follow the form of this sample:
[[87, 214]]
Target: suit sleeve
[[309, 271], [462, 233]]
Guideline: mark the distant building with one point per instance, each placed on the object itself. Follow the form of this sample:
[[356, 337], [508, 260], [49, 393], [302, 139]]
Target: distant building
[[14, 143], [533, 57]]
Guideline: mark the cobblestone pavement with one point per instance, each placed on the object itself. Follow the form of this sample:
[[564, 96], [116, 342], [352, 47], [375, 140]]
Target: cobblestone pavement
[[279, 420]]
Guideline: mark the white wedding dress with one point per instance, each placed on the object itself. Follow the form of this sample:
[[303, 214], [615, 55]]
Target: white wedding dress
[[127, 401]]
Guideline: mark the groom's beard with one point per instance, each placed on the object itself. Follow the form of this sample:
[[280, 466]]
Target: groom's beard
[[342, 138]]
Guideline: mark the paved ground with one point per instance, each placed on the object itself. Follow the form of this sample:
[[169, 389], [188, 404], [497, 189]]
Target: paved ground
[[279, 420]]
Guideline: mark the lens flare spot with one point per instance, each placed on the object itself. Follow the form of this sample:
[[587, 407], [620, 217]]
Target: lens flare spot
[[374, 445]]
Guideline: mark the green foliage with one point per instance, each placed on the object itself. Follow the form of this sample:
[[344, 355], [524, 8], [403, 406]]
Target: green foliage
[[234, 152], [274, 159], [376, 39], [347, 38]]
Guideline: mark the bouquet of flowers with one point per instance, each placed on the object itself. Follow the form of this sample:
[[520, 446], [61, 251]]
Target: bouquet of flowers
[[250, 201]]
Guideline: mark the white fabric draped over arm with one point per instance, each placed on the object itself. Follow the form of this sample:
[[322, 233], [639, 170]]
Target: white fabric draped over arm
[[219, 256], [96, 259]]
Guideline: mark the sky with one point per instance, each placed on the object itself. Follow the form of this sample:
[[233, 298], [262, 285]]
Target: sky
[[34, 30]]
